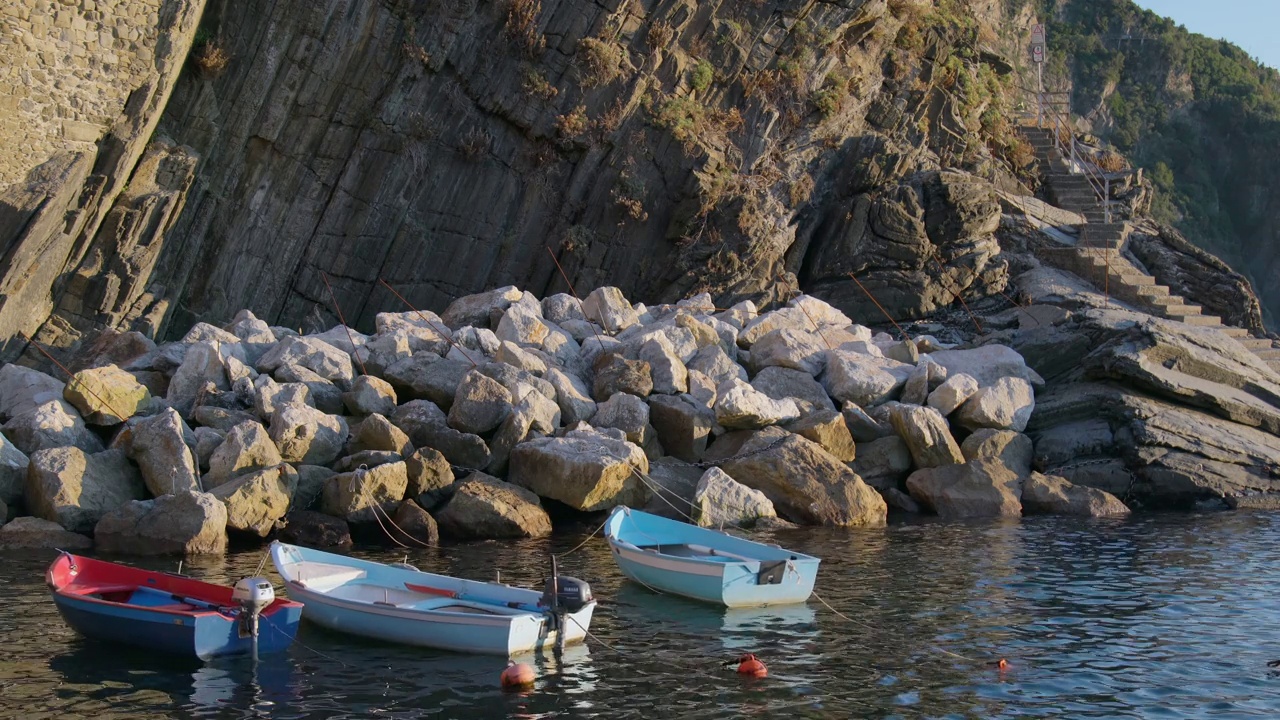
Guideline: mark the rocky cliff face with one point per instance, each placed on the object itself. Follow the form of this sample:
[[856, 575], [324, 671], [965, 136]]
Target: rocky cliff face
[[665, 147]]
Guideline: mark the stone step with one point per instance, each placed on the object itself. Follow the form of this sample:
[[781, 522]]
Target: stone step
[[1253, 343], [1198, 320], [1269, 355], [1274, 364], [1112, 227], [1184, 311], [1237, 332]]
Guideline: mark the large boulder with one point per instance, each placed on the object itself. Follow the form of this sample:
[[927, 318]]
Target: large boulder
[[184, 523], [672, 484], [428, 377], [722, 501], [246, 449], [202, 369], [305, 435], [666, 369], [311, 481], [827, 428], [790, 348], [782, 383], [483, 507], [428, 426], [804, 482], [314, 529], [1004, 405], [1053, 495], [859, 379], [257, 500], [377, 433], [51, 424], [608, 307], [478, 308], [572, 395], [740, 406], [158, 444], [883, 463], [369, 395], [106, 395], [322, 394], [30, 533], [425, 331], [981, 488], [862, 426], [353, 496], [522, 323], [586, 469], [13, 471], [926, 434], [24, 388], [75, 489], [987, 364], [220, 419], [629, 414], [716, 364], [411, 525], [682, 428], [480, 404], [615, 373], [1013, 449], [952, 393], [430, 477], [313, 354]]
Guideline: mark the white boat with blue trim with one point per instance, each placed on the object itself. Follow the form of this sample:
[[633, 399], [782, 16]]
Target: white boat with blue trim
[[403, 605], [703, 564]]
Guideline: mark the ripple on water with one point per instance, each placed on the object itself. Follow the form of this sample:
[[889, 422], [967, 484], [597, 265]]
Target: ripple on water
[[1158, 616]]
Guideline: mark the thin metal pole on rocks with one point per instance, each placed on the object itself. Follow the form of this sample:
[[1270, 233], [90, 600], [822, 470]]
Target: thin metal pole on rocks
[[338, 309], [854, 278], [71, 376], [446, 335]]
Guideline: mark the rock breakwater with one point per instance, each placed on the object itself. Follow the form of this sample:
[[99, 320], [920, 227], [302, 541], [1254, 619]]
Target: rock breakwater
[[463, 425]]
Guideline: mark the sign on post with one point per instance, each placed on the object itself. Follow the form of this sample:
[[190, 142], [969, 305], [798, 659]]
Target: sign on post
[[1037, 43], [1037, 53]]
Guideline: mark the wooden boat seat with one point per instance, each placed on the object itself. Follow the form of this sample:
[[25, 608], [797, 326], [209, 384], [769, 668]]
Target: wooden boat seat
[[318, 575], [697, 552]]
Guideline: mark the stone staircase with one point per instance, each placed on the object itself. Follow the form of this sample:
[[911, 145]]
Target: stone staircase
[[1098, 255]]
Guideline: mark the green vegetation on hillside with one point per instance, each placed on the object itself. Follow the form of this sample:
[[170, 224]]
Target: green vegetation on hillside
[[1199, 114]]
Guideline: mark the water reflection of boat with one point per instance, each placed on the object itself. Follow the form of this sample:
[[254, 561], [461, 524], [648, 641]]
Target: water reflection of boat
[[737, 628], [218, 683]]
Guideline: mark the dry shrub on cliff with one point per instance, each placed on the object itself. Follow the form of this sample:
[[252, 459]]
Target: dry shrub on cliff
[[1110, 161], [660, 35], [534, 83], [211, 59], [573, 123], [693, 123], [801, 190], [599, 62], [522, 26], [475, 142], [629, 191]]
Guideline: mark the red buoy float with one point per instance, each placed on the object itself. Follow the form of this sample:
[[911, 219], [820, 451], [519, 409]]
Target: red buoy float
[[517, 675], [750, 665]]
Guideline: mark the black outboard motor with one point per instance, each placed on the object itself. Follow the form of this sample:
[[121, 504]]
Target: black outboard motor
[[566, 593]]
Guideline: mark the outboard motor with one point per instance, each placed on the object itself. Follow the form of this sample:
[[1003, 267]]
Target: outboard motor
[[565, 593], [253, 595]]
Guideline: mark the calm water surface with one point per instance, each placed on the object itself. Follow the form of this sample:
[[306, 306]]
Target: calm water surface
[[1168, 616]]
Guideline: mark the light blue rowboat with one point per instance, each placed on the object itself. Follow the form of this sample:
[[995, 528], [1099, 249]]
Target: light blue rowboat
[[699, 563], [397, 604]]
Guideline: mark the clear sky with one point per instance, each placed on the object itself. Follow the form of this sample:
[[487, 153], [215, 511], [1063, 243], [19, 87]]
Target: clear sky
[[1252, 24]]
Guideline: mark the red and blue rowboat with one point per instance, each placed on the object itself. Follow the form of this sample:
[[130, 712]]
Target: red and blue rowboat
[[164, 612]]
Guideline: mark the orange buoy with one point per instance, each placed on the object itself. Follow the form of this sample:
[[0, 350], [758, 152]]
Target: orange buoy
[[517, 676], [1003, 664], [749, 665]]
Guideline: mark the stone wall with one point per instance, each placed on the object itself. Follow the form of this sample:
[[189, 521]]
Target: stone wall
[[67, 68]]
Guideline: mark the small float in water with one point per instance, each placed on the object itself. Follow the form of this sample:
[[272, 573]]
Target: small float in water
[[396, 603], [170, 613], [703, 564]]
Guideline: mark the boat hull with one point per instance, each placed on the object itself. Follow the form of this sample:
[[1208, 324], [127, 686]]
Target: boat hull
[[162, 612], [390, 604], [729, 573], [202, 637]]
